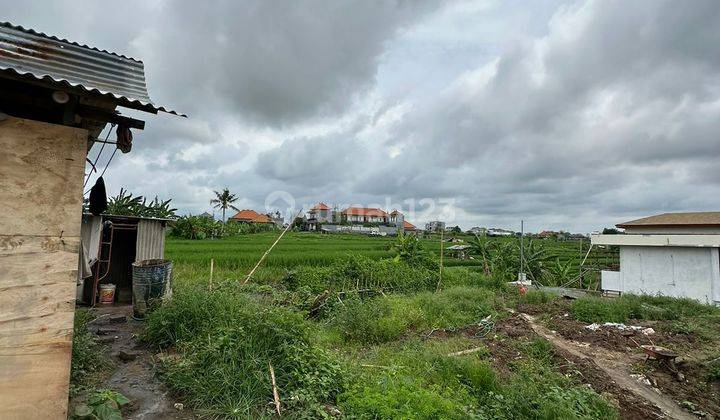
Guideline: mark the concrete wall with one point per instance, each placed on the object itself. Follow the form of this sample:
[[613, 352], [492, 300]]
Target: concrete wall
[[671, 271], [41, 176]]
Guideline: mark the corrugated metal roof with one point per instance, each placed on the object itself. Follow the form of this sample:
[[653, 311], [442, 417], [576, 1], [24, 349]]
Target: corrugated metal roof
[[150, 242], [27, 53]]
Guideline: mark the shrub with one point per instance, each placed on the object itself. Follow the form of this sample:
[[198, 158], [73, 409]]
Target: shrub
[[196, 227], [225, 342]]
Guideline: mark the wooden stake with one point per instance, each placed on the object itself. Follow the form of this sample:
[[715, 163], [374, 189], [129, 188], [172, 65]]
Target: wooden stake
[[442, 249], [271, 247], [212, 267], [276, 396]]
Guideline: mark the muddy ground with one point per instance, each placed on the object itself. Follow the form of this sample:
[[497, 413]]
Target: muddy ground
[[132, 374]]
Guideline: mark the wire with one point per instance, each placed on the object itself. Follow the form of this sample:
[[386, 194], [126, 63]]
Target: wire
[[103, 172], [112, 125]]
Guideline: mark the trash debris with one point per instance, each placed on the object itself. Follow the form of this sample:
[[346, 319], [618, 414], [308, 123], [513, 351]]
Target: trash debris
[[641, 379], [179, 406], [621, 327]]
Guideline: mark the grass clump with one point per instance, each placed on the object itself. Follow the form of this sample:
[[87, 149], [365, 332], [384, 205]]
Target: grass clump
[[225, 342], [360, 272], [537, 297], [626, 307], [383, 319], [401, 396], [87, 356]]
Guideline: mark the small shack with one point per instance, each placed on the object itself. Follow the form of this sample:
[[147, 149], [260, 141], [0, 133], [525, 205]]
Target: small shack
[[56, 96], [670, 254], [458, 251], [110, 245]]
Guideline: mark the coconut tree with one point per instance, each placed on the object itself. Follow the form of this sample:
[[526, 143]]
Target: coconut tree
[[223, 201]]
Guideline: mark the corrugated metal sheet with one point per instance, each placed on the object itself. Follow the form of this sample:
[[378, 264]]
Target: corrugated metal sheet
[[27, 53], [150, 240]]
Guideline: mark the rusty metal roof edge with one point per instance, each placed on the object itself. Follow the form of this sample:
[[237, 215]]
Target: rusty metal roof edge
[[120, 98], [55, 38], [118, 216]]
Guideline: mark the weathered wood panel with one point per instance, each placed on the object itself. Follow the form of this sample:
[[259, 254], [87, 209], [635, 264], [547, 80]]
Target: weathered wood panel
[[41, 174]]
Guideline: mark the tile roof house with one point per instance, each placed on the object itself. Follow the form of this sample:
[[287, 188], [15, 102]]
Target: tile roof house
[[409, 227], [670, 254], [320, 213], [250, 216], [364, 215]]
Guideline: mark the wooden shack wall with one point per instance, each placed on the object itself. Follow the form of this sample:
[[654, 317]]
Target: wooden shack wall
[[41, 175]]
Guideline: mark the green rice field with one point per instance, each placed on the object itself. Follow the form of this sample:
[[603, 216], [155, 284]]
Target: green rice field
[[235, 256]]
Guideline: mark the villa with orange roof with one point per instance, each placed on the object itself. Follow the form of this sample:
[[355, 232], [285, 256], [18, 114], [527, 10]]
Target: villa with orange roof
[[322, 217], [251, 216]]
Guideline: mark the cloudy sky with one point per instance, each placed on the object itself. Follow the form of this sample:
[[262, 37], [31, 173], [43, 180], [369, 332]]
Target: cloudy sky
[[567, 114]]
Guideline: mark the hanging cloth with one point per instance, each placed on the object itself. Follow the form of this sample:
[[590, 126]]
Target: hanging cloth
[[98, 198], [124, 138]]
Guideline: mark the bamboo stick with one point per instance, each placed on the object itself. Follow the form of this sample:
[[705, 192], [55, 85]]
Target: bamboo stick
[[212, 268], [271, 247], [276, 396], [468, 351]]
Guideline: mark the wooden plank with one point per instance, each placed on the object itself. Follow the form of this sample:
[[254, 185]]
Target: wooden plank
[[41, 175], [40, 166]]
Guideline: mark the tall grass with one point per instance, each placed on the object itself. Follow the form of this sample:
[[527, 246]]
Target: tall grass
[[627, 307], [87, 356], [385, 319], [225, 342]]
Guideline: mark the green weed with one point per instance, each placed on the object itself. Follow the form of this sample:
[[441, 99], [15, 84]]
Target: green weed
[[626, 307], [226, 343], [87, 356]]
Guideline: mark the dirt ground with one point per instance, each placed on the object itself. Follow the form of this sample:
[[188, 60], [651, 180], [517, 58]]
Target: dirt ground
[[683, 383], [133, 376]]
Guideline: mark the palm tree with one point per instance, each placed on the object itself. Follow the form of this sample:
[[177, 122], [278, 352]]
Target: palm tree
[[224, 201]]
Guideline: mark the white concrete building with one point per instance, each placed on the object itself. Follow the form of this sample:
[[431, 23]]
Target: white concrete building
[[671, 254]]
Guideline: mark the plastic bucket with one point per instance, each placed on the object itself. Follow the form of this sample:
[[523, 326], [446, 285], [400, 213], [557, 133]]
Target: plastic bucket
[[107, 294], [152, 284]]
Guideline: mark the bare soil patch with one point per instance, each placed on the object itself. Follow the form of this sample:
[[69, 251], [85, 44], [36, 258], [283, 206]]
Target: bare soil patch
[[133, 376]]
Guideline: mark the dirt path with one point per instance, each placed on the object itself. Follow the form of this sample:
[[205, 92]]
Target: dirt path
[[615, 366], [133, 376]]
